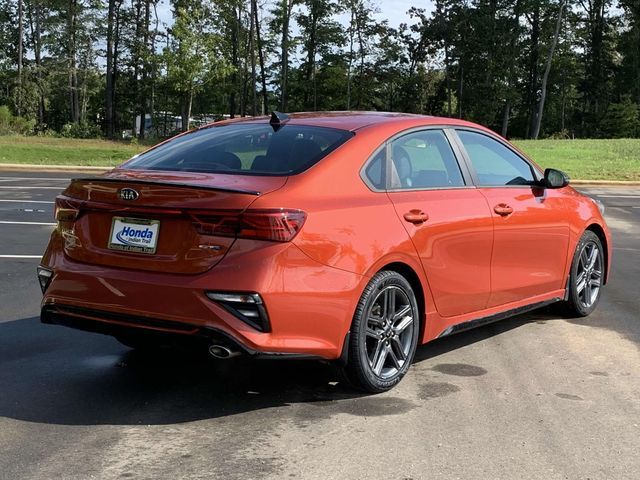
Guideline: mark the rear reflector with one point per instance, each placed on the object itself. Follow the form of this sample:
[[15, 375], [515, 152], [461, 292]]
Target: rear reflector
[[276, 225], [44, 277], [248, 307]]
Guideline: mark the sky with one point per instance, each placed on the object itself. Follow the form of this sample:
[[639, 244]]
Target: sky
[[395, 11]]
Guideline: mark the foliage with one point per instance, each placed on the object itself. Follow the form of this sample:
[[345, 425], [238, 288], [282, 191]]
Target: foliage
[[110, 63], [80, 130], [10, 124]]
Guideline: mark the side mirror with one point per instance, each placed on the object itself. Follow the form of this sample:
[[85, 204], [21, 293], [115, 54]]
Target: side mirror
[[555, 178]]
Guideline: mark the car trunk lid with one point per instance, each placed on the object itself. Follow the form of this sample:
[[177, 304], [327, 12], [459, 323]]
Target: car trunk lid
[[150, 220]]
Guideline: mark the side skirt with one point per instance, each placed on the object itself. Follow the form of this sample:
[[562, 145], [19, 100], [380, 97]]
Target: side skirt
[[461, 327]]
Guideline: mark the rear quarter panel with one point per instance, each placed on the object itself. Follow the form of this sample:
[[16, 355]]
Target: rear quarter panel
[[348, 226]]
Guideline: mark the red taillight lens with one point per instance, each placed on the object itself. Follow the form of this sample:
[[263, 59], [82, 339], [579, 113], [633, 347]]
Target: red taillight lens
[[276, 225], [221, 225], [66, 210]]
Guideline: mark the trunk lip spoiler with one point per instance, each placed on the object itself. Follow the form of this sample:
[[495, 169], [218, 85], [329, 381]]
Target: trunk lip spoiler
[[173, 184]]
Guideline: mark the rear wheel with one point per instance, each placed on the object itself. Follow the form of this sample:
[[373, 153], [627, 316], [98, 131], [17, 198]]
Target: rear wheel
[[586, 277], [384, 333]]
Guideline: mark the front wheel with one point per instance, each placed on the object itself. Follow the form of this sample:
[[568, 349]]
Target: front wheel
[[586, 277], [384, 333]]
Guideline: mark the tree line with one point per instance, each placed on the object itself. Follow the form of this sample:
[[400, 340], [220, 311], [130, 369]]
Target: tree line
[[525, 68]]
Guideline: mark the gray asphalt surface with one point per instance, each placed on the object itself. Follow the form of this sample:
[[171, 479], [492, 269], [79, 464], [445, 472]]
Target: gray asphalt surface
[[536, 396]]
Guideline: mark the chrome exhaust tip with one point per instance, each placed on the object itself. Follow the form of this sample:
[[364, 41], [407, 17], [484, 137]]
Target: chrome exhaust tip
[[222, 352]]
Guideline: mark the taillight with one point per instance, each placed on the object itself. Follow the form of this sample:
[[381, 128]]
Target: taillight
[[66, 211], [217, 224], [276, 225]]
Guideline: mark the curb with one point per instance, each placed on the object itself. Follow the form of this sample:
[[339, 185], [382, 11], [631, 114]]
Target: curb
[[18, 167]]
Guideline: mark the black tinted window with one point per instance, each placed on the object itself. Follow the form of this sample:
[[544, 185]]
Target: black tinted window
[[244, 148], [374, 170], [494, 163], [424, 160]]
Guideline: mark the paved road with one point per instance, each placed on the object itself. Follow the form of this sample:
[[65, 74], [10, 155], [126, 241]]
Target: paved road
[[536, 396]]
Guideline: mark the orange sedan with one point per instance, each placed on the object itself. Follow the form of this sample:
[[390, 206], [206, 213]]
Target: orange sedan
[[350, 237]]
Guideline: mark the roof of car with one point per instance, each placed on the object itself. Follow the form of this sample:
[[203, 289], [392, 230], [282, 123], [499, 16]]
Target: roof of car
[[354, 120]]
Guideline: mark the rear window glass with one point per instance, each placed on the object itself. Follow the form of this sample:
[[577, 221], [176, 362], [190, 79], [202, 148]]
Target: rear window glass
[[253, 149]]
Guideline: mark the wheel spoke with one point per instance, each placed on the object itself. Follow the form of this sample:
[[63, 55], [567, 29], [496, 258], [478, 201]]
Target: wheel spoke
[[593, 257], [389, 303], [584, 257], [376, 353], [372, 333], [402, 312], [581, 282], [394, 358], [402, 326], [376, 321], [381, 359], [398, 349]]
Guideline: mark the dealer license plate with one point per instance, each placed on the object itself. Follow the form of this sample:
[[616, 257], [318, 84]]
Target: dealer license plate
[[134, 235]]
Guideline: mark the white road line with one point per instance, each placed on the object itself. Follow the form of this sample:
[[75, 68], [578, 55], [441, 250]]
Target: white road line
[[618, 196], [6, 222], [16, 187], [11, 179], [24, 201], [20, 256]]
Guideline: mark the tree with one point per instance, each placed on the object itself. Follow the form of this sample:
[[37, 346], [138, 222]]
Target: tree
[[194, 57], [545, 77]]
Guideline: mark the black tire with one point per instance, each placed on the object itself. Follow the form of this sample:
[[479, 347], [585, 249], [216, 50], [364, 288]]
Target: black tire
[[586, 276], [376, 363]]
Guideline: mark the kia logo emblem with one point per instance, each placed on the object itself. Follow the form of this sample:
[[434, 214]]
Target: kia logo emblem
[[128, 194]]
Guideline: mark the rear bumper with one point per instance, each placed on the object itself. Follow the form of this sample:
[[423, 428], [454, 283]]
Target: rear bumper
[[167, 333], [310, 305]]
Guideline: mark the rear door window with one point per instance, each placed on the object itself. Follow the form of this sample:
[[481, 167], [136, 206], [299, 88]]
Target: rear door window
[[253, 149], [424, 159]]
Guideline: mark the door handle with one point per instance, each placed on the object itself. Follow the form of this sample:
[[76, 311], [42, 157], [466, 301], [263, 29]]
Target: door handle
[[503, 209], [416, 216]]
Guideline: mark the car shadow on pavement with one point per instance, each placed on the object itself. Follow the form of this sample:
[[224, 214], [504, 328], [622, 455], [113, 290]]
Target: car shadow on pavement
[[443, 345], [56, 375]]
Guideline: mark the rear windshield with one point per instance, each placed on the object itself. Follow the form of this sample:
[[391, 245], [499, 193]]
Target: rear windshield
[[248, 148]]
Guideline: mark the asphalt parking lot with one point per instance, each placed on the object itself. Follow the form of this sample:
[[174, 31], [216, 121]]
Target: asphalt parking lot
[[536, 396]]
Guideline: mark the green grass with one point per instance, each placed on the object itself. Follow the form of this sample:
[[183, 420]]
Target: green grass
[[587, 159], [582, 159], [64, 151]]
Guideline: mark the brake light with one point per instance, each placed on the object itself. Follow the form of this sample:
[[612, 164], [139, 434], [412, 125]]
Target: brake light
[[276, 225], [216, 224], [66, 211]]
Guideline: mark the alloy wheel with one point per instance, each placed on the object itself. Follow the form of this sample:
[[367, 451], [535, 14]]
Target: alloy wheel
[[389, 331], [589, 274]]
